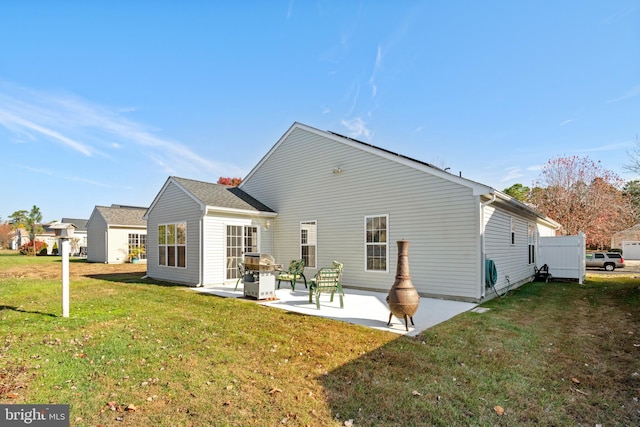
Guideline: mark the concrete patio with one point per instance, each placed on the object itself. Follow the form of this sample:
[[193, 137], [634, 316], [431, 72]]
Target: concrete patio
[[360, 307]]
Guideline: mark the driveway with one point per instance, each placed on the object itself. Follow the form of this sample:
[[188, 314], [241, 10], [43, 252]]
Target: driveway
[[631, 268]]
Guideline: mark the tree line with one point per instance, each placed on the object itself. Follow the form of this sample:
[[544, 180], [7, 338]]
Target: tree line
[[582, 195], [27, 220]]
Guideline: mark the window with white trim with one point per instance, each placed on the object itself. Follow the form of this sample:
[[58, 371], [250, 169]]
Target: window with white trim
[[376, 230], [531, 238], [308, 243], [513, 231], [172, 245], [138, 245]]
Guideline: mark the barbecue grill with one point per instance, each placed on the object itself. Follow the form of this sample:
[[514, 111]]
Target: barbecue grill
[[260, 275]]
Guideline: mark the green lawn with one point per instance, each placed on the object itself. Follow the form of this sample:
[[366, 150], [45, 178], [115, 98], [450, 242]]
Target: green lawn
[[548, 354]]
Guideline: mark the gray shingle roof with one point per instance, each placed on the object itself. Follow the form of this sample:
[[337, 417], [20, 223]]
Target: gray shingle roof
[[221, 196], [80, 223], [123, 215]]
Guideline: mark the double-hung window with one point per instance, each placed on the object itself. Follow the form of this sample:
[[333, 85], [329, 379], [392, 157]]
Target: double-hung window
[[376, 230], [172, 245], [532, 243], [513, 231], [308, 242]]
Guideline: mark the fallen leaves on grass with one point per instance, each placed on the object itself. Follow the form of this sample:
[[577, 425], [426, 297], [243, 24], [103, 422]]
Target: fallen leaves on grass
[[416, 393], [575, 380], [275, 390], [113, 406], [499, 410]]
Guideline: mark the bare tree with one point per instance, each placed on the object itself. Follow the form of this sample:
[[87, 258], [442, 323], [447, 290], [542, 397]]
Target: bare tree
[[634, 158], [583, 196]]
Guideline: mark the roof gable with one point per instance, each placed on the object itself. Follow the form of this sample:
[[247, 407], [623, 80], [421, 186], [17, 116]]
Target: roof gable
[[477, 189], [216, 196]]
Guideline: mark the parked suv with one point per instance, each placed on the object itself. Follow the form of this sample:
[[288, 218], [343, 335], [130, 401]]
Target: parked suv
[[607, 260]]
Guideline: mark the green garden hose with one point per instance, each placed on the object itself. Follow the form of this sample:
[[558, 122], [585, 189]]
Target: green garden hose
[[490, 273]]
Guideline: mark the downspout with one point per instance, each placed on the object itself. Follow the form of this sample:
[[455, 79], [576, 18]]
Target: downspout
[[201, 251], [483, 248]]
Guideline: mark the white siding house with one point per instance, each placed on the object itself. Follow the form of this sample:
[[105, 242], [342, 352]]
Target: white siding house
[[198, 231], [362, 199], [331, 197], [79, 241], [113, 230]]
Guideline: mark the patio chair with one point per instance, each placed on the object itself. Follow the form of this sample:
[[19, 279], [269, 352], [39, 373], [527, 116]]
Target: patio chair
[[293, 274], [327, 280], [241, 272]]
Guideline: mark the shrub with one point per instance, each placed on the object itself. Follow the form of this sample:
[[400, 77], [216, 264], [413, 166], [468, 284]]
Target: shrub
[[27, 248]]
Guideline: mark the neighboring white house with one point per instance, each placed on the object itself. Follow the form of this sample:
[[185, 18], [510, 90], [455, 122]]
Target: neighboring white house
[[321, 196], [113, 230], [79, 241], [19, 237]]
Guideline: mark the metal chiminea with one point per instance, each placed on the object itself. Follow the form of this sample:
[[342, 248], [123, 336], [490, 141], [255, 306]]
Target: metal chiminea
[[403, 298]]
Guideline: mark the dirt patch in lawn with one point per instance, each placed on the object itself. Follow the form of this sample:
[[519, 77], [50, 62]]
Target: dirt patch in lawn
[[78, 268]]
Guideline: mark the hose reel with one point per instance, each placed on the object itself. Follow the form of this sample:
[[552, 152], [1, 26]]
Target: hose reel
[[490, 273]]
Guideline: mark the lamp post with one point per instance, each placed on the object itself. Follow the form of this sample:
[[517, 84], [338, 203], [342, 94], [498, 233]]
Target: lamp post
[[64, 232], [65, 276]]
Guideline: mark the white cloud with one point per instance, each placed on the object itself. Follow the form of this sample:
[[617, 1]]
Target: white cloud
[[354, 96], [290, 9], [357, 128], [566, 122], [372, 79], [631, 93], [87, 181], [511, 174], [379, 57], [607, 147], [24, 126], [92, 130], [618, 16]]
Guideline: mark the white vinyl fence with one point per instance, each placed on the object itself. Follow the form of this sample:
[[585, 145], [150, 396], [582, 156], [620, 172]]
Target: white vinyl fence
[[565, 256]]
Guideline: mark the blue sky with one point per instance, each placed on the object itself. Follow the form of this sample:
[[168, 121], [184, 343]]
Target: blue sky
[[101, 101]]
